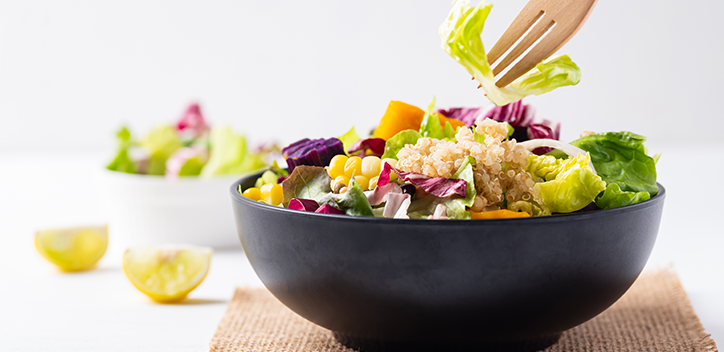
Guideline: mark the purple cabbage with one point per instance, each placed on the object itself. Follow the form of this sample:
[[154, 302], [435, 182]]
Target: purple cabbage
[[523, 118], [314, 152], [437, 186], [375, 145], [303, 204], [328, 209]]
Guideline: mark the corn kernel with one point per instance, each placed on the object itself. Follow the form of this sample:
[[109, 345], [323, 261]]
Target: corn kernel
[[373, 182], [342, 179], [363, 181], [252, 193], [353, 166], [336, 165], [276, 194], [371, 166], [266, 193]]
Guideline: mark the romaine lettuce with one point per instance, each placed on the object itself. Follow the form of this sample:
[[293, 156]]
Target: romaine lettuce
[[460, 34]]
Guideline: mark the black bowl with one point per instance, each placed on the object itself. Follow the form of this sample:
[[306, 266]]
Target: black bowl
[[388, 284]]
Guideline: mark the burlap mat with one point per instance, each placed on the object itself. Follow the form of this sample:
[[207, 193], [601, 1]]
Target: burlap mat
[[654, 315]]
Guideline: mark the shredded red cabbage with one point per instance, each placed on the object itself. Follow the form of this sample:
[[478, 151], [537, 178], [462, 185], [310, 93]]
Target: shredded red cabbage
[[314, 152]]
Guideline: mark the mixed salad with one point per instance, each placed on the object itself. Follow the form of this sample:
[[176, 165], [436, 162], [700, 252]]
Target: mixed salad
[[499, 161], [190, 147]]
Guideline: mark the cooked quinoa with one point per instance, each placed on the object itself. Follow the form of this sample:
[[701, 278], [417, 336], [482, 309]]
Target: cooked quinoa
[[500, 165]]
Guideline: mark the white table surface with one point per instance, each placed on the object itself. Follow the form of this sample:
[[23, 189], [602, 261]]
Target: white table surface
[[42, 309]]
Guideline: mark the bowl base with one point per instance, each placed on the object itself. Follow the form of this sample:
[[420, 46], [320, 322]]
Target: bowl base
[[519, 345]]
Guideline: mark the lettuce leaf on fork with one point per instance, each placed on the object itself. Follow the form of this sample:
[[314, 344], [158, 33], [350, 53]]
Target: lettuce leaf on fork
[[460, 34]]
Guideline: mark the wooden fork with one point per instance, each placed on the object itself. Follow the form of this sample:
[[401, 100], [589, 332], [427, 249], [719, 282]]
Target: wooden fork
[[558, 20]]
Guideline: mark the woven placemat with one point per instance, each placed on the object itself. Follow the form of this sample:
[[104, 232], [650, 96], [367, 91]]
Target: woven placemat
[[654, 315]]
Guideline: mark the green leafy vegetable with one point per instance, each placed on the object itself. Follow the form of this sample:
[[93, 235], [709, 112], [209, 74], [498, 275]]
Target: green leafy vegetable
[[430, 126], [564, 185], [460, 34], [354, 202], [614, 197], [349, 138], [620, 158], [161, 143], [229, 154], [192, 167], [450, 132], [122, 162], [455, 205], [306, 182], [398, 141]]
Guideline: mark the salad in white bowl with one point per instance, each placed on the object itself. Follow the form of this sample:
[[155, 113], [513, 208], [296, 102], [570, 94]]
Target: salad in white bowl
[[170, 185]]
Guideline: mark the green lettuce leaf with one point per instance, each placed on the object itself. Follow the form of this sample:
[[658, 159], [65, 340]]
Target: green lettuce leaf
[[430, 126], [161, 143], [614, 197], [349, 138], [460, 34], [229, 154], [307, 182], [620, 158], [353, 202], [564, 185], [398, 141], [122, 162], [450, 132]]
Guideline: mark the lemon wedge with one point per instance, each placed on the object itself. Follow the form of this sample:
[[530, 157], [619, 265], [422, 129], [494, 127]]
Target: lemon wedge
[[167, 274], [73, 249]]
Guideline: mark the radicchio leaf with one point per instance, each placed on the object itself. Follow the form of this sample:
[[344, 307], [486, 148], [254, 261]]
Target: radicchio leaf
[[381, 193], [375, 145], [306, 182], [437, 186], [303, 204], [193, 121], [396, 206], [328, 209]]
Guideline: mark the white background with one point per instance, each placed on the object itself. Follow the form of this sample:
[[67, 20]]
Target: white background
[[72, 72]]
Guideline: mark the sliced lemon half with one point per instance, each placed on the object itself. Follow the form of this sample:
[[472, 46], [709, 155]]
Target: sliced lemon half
[[167, 274], [73, 249]]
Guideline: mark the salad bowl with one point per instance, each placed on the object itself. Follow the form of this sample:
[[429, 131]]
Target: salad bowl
[[148, 209], [393, 284]]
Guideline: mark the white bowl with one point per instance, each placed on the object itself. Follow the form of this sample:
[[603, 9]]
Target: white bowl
[[143, 209]]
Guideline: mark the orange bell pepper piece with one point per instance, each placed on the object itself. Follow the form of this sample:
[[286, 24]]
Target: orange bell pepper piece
[[499, 214], [400, 116]]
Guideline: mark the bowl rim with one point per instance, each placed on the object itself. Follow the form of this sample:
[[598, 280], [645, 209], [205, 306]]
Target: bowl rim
[[653, 201]]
